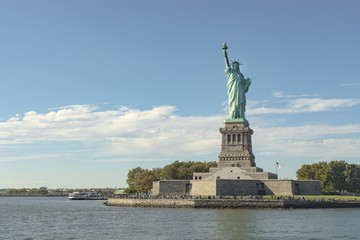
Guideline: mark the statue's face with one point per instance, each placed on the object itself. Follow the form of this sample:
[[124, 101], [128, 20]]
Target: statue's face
[[236, 66]]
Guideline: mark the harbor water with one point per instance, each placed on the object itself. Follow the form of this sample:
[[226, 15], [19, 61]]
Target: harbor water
[[60, 218]]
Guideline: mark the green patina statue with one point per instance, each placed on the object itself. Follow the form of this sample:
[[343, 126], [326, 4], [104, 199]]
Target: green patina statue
[[237, 87]]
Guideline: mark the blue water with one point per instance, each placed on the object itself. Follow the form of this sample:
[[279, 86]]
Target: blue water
[[60, 218]]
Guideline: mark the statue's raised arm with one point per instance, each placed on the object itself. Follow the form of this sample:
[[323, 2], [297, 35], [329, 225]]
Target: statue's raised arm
[[225, 55]]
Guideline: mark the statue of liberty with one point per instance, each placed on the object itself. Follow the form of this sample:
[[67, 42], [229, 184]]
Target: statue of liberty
[[237, 87]]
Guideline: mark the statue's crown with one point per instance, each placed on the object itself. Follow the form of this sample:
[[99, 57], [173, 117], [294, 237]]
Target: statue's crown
[[236, 61]]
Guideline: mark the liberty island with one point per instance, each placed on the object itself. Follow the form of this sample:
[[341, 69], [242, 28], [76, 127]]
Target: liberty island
[[236, 173]]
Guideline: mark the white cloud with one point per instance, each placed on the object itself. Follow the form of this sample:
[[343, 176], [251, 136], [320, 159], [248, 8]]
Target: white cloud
[[31, 157], [321, 141], [280, 94], [350, 84], [302, 105], [119, 132], [133, 159], [327, 149], [126, 134]]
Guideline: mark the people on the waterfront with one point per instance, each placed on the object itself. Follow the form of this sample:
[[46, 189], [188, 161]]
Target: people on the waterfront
[[249, 197]]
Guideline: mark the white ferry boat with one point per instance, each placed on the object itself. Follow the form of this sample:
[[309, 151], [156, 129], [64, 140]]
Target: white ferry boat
[[78, 195], [93, 195]]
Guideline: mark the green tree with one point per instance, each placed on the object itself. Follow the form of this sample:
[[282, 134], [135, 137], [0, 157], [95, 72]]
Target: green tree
[[321, 173], [17, 192], [202, 166], [158, 172], [133, 173], [140, 180], [185, 170], [334, 176], [38, 192], [171, 171], [314, 171], [143, 182], [352, 177], [306, 172]]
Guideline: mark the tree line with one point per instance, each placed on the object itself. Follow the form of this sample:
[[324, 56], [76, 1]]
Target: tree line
[[140, 180], [335, 176], [27, 192]]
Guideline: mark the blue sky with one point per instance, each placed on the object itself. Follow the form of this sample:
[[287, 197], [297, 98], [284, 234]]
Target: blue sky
[[92, 89]]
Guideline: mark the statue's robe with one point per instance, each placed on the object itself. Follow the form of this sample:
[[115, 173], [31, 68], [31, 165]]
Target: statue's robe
[[237, 87]]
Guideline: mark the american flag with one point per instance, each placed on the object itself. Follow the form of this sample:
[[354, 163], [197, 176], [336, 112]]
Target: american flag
[[278, 165]]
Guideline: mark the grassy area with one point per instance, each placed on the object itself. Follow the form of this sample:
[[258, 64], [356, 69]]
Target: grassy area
[[308, 197], [314, 197], [330, 197], [325, 197]]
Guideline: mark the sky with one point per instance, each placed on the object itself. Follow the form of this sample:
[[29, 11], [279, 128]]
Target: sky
[[91, 89]]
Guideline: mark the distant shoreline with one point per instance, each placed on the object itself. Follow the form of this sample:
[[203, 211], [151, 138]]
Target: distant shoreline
[[229, 203], [33, 195], [38, 196]]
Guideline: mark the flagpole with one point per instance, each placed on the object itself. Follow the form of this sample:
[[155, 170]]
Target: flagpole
[[277, 165]]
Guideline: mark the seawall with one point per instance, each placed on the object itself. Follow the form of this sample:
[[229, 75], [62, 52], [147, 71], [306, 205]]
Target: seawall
[[227, 203]]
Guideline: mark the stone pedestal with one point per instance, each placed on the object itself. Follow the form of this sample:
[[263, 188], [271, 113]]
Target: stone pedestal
[[236, 147]]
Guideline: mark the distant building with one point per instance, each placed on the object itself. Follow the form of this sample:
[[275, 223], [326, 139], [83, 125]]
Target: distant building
[[3, 191]]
